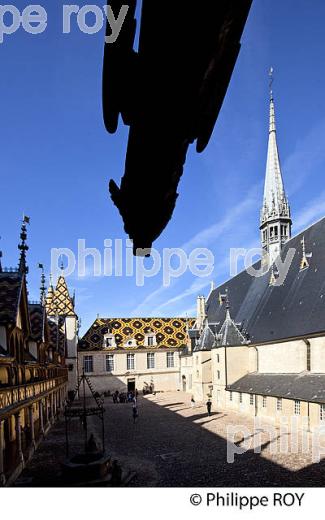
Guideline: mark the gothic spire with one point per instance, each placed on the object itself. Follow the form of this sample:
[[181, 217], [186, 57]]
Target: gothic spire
[[275, 201], [23, 247], [275, 221]]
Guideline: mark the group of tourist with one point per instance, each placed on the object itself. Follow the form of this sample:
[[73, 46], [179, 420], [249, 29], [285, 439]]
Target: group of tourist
[[124, 397], [129, 397]]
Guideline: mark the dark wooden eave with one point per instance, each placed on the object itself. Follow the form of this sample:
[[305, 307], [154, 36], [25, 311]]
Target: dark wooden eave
[[170, 93]]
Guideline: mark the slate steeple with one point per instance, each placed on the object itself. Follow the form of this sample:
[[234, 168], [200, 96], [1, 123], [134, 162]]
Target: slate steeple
[[275, 222]]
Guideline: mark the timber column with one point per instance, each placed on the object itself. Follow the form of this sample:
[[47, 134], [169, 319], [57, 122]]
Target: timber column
[[2, 447], [31, 423], [18, 437]]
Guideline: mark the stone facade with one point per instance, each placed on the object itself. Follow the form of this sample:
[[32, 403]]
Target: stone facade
[[111, 371]]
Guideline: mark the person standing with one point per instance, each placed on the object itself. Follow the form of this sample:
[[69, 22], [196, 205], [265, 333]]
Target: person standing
[[192, 401], [209, 406], [135, 413]]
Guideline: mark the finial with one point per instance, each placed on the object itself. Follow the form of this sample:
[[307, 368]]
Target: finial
[[271, 82], [23, 247], [227, 300], [304, 262], [42, 287]]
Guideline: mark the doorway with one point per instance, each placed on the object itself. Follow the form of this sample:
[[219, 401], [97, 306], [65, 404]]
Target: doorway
[[131, 385]]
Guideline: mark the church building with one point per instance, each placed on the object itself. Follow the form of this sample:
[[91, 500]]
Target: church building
[[258, 345]]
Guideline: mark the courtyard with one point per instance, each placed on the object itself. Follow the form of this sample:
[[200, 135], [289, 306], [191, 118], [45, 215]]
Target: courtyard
[[174, 444]]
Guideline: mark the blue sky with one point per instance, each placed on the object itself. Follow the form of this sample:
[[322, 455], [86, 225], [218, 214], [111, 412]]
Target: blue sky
[[57, 159]]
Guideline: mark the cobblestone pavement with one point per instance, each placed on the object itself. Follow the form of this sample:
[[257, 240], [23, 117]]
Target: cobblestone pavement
[[173, 444]]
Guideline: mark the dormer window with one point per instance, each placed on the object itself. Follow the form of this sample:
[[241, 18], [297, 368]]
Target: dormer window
[[150, 339], [131, 342], [109, 341]]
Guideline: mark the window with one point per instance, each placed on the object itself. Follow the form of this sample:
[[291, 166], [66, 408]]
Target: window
[[218, 374], [109, 342], [150, 341], [240, 397], [297, 407], [150, 360], [322, 412], [170, 360], [251, 399], [218, 358], [88, 364], [230, 396], [264, 401], [130, 361], [109, 363], [308, 356], [279, 404]]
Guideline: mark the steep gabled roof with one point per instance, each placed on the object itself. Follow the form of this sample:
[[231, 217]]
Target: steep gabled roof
[[57, 339], [61, 303], [10, 290], [169, 332], [272, 312], [36, 313], [206, 339], [229, 333]]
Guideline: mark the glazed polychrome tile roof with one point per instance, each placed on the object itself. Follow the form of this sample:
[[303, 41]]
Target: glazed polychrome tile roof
[[169, 332], [59, 302]]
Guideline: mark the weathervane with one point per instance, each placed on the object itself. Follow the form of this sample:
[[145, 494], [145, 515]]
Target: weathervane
[[271, 81]]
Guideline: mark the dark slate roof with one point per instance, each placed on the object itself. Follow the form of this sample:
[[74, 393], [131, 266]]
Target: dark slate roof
[[268, 313], [194, 333], [56, 335], [229, 333], [206, 340], [10, 288], [304, 386], [36, 314], [3, 352]]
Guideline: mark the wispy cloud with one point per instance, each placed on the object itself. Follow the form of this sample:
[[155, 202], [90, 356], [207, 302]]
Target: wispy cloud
[[307, 156], [204, 238], [194, 288], [313, 211], [190, 312], [213, 232]]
